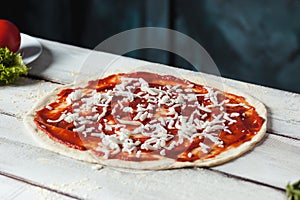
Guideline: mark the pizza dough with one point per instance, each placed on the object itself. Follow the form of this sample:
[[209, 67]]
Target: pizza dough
[[160, 161]]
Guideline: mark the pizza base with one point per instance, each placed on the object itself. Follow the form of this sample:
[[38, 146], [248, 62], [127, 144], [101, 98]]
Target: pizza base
[[163, 162]]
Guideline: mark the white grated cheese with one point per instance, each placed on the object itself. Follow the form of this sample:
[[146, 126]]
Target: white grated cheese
[[144, 116], [49, 107], [100, 135], [171, 124], [188, 90], [79, 129], [108, 127], [162, 152], [74, 96], [204, 147], [70, 117], [137, 123], [102, 114], [240, 104], [190, 122], [138, 116], [100, 126], [164, 99], [204, 116], [62, 117], [228, 131], [103, 150], [190, 85], [84, 121], [234, 114], [138, 153], [128, 109], [203, 108], [227, 118], [172, 145]]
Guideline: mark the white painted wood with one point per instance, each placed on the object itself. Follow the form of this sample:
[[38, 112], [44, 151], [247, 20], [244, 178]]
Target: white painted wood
[[71, 176], [274, 162], [58, 62], [63, 63], [18, 98], [13, 129], [275, 155], [17, 190]]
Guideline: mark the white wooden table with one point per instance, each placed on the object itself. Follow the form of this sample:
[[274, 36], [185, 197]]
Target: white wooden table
[[28, 171]]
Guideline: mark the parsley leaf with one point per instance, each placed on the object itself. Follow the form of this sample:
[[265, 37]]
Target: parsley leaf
[[293, 191], [11, 66]]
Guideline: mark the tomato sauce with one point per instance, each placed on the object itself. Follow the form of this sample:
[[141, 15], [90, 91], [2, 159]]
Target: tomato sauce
[[247, 124]]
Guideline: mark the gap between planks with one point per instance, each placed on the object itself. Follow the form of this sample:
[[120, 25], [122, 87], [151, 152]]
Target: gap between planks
[[247, 179], [114, 176], [239, 164], [282, 135], [19, 117], [41, 78], [25, 181], [36, 80]]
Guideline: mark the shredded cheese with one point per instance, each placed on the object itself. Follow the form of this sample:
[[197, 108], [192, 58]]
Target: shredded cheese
[[167, 107]]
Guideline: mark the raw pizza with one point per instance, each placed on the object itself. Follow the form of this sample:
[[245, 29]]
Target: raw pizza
[[143, 120]]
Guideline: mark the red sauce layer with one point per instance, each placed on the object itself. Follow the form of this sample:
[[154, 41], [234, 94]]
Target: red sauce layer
[[247, 124]]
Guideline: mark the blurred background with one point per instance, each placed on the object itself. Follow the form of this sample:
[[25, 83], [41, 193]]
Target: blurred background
[[256, 41]]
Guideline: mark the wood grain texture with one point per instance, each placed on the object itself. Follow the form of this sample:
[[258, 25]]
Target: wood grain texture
[[17, 190], [71, 176], [274, 162], [58, 62], [275, 155], [18, 98], [255, 175]]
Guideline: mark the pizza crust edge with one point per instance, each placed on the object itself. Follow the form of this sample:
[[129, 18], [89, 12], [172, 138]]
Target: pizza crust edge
[[163, 163]]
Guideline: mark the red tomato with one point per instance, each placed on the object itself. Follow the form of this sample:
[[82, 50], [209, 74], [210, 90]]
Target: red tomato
[[10, 36]]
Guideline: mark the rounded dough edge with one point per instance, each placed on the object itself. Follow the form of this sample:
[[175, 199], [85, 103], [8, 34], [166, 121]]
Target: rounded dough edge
[[163, 163]]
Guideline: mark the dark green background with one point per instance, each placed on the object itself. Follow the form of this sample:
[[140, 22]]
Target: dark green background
[[256, 41]]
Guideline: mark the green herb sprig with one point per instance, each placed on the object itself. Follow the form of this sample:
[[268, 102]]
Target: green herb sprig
[[11, 66], [293, 191]]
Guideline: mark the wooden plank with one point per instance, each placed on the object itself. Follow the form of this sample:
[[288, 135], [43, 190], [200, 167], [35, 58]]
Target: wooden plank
[[35, 89], [13, 189], [58, 62], [267, 155], [275, 155], [274, 162], [13, 129], [18, 98], [283, 109], [68, 175]]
